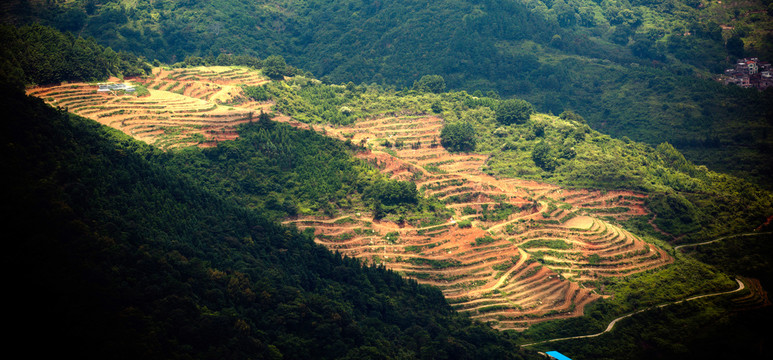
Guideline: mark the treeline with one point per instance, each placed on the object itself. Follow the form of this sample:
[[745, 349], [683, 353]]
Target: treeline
[[41, 55], [112, 250]]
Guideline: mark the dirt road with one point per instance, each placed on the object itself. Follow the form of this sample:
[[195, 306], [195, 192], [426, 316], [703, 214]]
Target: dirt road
[[720, 239], [611, 325]]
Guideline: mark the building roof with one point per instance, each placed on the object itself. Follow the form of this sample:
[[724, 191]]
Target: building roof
[[557, 355], [109, 87]]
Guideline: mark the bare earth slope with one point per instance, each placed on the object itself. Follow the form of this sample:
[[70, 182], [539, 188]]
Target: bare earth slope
[[535, 264], [184, 107], [526, 268]]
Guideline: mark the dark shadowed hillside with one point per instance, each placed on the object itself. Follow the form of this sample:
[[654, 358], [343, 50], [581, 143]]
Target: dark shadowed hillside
[[121, 259]]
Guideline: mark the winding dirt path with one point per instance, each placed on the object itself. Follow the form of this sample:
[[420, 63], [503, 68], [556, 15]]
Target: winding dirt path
[[612, 324], [721, 238]]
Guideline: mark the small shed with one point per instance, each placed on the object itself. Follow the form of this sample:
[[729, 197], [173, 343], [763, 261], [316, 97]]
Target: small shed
[[557, 355], [115, 87]]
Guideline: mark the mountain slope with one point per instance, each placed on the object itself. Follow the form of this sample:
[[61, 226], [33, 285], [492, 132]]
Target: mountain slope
[[631, 68], [687, 198], [122, 259]]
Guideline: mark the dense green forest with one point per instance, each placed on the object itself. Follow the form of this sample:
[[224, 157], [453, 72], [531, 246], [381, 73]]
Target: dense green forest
[[640, 69], [120, 258], [41, 55]]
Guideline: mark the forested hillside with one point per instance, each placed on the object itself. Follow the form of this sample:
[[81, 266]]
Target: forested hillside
[[631, 68], [120, 258], [42, 55]]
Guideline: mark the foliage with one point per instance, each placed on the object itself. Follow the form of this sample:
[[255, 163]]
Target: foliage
[[458, 136], [430, 83], [275, 67], [543, 157], [514, 111], [257, 93], [552, 244], [749, 255], [287, 172], [44, 56], [640, 69], [309, 101]]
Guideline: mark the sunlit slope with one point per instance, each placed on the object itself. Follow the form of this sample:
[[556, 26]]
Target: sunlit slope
[[516, 252], [182, 107]]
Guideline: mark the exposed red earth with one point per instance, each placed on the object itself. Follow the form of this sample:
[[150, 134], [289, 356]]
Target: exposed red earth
[[537, 264], [195, 106]]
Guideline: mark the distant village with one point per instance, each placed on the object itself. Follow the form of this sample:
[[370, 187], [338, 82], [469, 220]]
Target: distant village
[[749, 73]]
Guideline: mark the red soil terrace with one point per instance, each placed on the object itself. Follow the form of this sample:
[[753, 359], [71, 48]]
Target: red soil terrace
[[536, 265], [195, 106]]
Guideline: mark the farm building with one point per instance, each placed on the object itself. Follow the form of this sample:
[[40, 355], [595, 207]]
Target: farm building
[[557, 355], [115, 87]]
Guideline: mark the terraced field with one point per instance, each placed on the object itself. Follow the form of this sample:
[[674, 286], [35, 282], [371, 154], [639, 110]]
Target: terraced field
[[516, 252], [184, 107]]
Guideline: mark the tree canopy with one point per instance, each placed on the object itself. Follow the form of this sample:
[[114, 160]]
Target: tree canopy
[[458, 136], [430, 83], [514, 111], [275, 67], [43, 55]]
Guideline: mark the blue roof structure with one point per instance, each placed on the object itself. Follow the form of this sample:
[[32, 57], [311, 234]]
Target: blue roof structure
[[557, 355]]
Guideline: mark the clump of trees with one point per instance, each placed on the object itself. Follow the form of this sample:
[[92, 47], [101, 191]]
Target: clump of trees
[[514, 111], [430, 83], [257, 93], [275, 67], [458, 136], [570, 115], [542, 155]]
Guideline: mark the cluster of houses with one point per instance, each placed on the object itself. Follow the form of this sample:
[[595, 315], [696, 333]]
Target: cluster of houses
[[115, 87], [749, 73]]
